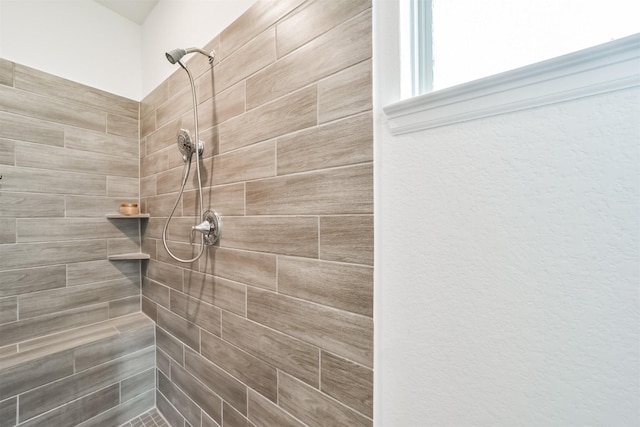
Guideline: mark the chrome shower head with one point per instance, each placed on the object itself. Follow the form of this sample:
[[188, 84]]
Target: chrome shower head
[[175, 55], [186, 145]]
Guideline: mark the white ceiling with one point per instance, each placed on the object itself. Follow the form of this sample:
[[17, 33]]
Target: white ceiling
[[134, 10]]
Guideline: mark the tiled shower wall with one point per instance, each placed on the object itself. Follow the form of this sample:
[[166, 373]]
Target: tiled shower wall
[[68, 156], [272, 327]]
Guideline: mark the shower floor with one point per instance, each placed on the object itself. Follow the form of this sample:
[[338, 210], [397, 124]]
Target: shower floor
[[150, 419]]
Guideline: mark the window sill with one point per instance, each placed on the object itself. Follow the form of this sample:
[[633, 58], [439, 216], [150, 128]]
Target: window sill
[[603, 68]]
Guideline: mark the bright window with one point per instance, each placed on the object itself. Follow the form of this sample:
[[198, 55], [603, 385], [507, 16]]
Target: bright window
[[448, 42]]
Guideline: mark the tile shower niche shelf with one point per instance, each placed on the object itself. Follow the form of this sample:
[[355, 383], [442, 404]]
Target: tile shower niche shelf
[[138, 255]]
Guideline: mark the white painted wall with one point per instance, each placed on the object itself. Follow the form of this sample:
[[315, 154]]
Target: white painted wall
[[79, 40], [181, 24], [507, 263], [84, 41]]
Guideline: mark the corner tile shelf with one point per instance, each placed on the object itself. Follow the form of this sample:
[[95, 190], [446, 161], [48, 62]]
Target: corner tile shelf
[[128, 256], [120, 216], [138, 255]]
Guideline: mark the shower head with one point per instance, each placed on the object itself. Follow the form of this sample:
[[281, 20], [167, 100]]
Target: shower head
[[186, 145], [175, 55]]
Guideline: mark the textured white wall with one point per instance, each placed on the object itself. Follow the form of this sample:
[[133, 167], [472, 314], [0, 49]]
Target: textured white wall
[[84, 41], [181, 24], [508, 257], [79, 40]]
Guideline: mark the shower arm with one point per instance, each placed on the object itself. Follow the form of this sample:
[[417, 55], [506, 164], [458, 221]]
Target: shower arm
[[210, 55]]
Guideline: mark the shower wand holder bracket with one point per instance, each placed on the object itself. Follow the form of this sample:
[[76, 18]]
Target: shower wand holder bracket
[[209, 227]]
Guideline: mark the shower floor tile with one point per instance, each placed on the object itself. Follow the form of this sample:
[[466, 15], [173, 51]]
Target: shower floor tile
[[150, 419]]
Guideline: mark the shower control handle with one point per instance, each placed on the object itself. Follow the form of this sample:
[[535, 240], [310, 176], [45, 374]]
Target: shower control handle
[[209, 227]]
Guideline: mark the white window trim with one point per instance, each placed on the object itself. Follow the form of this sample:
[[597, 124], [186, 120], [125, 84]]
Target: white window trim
[[599, 69]]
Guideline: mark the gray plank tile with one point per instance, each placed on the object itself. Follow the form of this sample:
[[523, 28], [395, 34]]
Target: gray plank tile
[[187, 408], [344, 286], [56, 300], [345, 93], [8, 309], [249, 163], [223, 384], [7, 230], [209, 401], [252, 268], [296, 236], [163, 363], [23, 330], [340, 143], [256, 19], [343, 46], [82, 273], [23, 128], [226, 104], [52, 86], [155, 292], [58, 229], [313, 407], [67, 339], [222, 293], [27, 205], [124, 306], [168, 411], [347, 239], [65, 159], [182, 329], [65, 390], [348, 382], [138, 384], [249, 369], [24, 255], [8, 411], [253, 56], [312, 19], [264, 413], [92, 206], [6, 72], [178, 104], [99, 142], [347, 190], [165, 136], [26, 376], [7, 152], [196, 311], [122, 126], [346, 334], [282, 351], [31, 180], [120, 186], [123, 245], [233, 418], [79, 410], [123, 412], [55, 110], [113, 347], [170, 345], [290, 113], [149, 308], [164, 273]]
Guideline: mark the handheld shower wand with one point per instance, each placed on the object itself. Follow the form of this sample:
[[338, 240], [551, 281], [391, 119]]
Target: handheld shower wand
[[210, 225]]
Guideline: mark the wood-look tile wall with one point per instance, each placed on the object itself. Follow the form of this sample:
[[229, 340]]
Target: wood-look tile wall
[[68, 156], [273, 326]]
